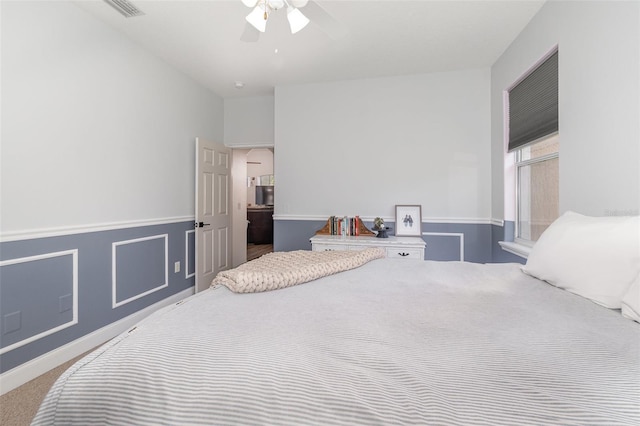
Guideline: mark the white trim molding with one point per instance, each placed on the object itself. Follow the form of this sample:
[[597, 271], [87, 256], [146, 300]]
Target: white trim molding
[[497, 222], [74, 283], [460, 235], [186, 253], [257, 145], [303, 217], [23, 373], [515, 248], [84, 229], [454, 220], [114, 268], [458, 220]]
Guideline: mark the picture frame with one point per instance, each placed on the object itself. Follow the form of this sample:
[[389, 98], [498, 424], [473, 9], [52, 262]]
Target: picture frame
[[408, 220]]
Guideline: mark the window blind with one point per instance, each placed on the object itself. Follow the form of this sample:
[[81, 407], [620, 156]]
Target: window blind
[[533, 105]]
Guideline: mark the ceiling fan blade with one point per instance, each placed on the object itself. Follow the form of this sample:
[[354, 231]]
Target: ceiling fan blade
[[298, 3], [250, 34], [324, 20]]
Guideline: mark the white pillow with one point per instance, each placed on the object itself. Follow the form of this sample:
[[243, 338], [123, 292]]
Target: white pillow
[[631, 301], [595, 257]]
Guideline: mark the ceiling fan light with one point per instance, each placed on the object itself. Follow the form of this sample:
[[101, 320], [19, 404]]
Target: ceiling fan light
[[276, 4], [256, 18], [250, 3], [297, 20]]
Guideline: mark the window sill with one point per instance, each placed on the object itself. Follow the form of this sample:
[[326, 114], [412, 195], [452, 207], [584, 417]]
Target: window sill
[[515, 248]]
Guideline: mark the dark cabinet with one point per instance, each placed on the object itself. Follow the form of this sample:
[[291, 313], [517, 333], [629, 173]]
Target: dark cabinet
[[260, 228]]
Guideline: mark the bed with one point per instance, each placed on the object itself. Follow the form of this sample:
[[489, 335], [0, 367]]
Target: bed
[[387, 342]]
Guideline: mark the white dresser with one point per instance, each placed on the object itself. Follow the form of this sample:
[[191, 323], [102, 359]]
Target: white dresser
[[400, 247]]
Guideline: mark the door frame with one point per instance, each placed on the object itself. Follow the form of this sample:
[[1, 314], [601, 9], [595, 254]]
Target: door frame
[[240, 199]]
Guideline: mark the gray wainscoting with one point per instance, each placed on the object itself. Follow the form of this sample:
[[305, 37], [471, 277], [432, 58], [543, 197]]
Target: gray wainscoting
[[445, 241], [503, 233], [291, 235], [57, 289]]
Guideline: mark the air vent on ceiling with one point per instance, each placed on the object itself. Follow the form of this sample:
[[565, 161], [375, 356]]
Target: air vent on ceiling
[[125, 7]]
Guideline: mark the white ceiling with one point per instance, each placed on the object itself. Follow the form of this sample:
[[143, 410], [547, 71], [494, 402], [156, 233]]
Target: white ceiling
[[374, 39]]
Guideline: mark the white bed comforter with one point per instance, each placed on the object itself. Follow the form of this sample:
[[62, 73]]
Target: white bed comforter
[[391, 342]]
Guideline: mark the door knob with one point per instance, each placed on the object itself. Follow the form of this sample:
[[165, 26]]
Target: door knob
[[201, 224]]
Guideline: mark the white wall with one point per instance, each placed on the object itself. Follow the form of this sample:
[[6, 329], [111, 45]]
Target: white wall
[[599, 103], [361, 147], [94, 128], [248, 122]]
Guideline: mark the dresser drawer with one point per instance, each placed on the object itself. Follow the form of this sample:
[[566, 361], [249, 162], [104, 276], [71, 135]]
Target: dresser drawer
[[395, 247], [329, 247], [405, 253], [359, 247]]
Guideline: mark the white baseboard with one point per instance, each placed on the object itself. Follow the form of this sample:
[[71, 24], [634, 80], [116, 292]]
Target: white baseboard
[[30, 370]]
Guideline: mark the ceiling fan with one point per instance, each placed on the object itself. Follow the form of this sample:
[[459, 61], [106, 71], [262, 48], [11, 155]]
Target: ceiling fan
[[262, 9]]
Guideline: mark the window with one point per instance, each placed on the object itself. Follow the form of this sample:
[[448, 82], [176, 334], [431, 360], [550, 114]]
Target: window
[[537, 198], [533, 139]]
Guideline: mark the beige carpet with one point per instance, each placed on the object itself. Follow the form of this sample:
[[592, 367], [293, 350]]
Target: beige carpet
[[19, 406]]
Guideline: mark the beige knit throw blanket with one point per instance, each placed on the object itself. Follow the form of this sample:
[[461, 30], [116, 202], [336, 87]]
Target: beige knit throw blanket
[[284, 269]]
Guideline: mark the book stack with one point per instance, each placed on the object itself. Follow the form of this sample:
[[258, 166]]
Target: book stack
[[345, 226]]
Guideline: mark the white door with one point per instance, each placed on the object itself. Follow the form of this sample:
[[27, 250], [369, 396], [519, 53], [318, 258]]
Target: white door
[[213, 216]]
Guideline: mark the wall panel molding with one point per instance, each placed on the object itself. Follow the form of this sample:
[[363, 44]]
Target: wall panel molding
[[139, 269], [74, 284], [40, 365], [459, 235], [114, 268], [470, 242], [188, 254]]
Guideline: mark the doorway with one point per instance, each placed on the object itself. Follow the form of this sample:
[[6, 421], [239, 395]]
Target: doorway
[[254, 192], [260, 202]]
